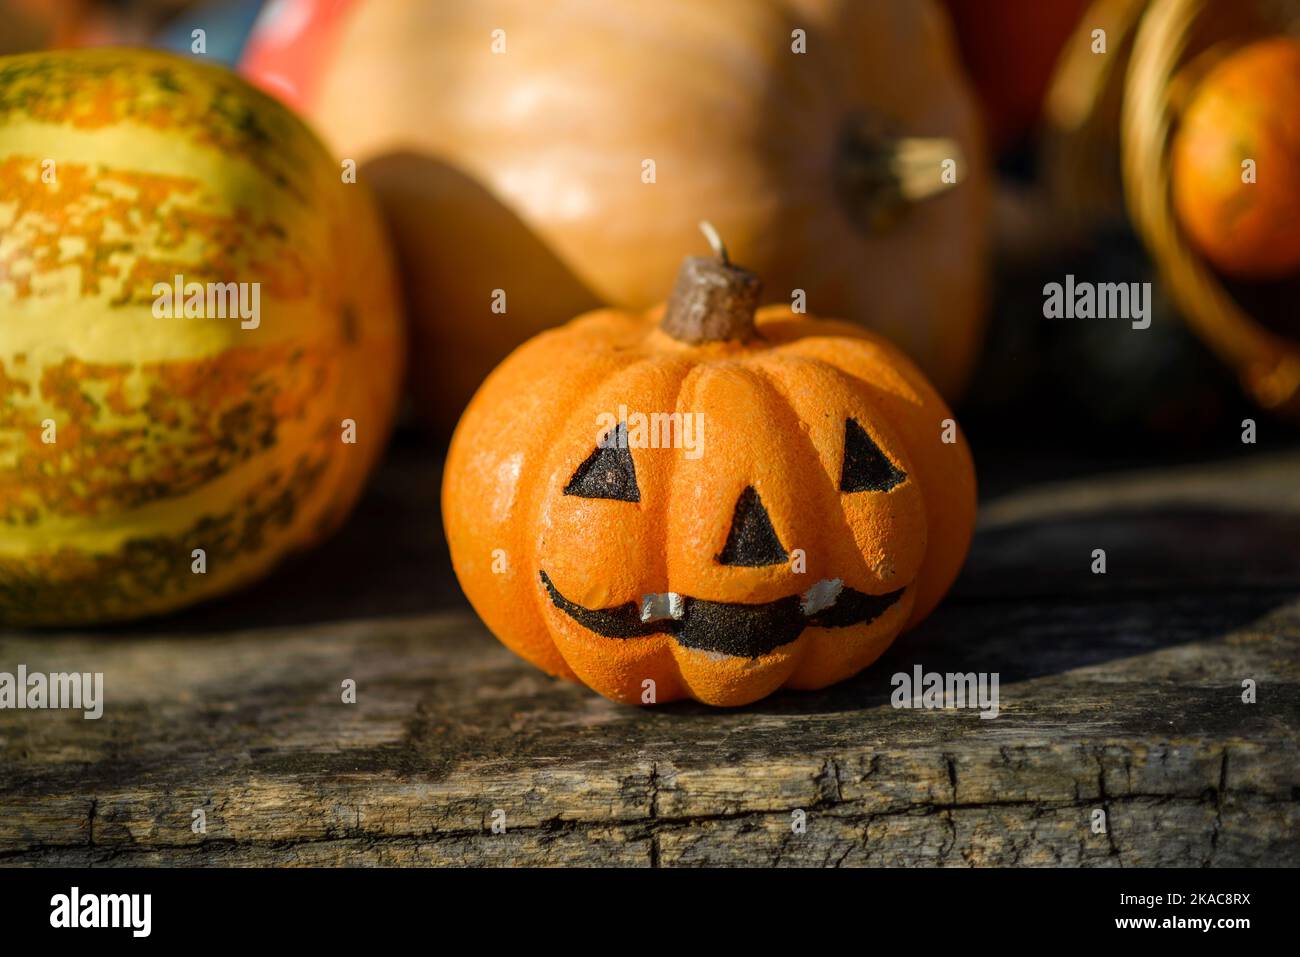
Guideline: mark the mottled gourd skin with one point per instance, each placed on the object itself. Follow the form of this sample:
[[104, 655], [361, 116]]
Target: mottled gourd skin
[[775, 409], [174, 434]]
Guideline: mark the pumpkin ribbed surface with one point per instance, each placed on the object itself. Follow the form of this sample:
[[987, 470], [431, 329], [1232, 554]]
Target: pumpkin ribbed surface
[[817, 436]]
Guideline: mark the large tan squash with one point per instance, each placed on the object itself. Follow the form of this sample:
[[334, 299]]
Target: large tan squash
[[510, 140]]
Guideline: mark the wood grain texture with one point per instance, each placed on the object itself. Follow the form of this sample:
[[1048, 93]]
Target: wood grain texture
[[1119, 692]]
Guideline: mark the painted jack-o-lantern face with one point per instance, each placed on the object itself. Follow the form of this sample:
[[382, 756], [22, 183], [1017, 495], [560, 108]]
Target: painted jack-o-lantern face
[[712, 507], [728, 627]]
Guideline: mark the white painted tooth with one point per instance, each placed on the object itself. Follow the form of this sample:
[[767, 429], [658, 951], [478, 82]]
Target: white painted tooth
[[821, 596], [660, 605]]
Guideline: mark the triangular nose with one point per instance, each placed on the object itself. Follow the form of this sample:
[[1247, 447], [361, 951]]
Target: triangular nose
[[752, 541]]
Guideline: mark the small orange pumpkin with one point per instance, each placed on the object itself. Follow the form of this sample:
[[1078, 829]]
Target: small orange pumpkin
[[1247, 108], [716, 499]]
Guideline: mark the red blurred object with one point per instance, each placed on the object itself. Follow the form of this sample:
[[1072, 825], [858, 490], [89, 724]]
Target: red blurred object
[[1010, 49], [290, 42]]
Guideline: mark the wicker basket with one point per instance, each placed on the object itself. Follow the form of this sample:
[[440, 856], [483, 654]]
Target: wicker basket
[[1081, 118], [1177, 41]]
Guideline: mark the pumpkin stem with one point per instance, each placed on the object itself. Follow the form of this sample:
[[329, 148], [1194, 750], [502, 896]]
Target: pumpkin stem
[[879, 177], [711, 234], [713, 300]]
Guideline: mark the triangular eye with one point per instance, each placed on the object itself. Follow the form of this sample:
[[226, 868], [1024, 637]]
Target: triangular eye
[[866, 469], [608, 472], [752, 541]]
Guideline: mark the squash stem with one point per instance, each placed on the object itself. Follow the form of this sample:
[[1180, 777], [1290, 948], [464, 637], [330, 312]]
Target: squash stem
[[880, 177]]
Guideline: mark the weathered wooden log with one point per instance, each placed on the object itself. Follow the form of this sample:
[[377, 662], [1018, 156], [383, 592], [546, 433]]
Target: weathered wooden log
[[1119, 692]]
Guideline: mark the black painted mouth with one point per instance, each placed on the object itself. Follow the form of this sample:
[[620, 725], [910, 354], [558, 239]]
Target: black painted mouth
[[745, 631]]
